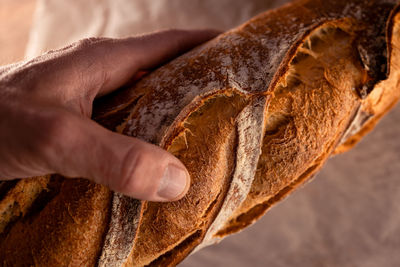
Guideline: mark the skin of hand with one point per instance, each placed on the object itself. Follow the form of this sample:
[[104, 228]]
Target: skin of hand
[[46, 105]]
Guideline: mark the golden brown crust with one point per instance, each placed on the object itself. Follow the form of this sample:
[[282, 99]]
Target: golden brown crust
[[250, 131], [18, 199], [68, 231], [385, 94], [308, 113], [208, 136]]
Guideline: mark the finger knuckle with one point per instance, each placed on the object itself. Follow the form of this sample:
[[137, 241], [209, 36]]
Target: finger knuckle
[[88, 42], [56, 128], [176, 32], [132, 177]]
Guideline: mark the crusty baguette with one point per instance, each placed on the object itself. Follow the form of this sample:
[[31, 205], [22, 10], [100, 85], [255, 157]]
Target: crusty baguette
[[253, 114]]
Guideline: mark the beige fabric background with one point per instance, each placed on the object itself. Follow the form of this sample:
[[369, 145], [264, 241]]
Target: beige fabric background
[[348, 216]]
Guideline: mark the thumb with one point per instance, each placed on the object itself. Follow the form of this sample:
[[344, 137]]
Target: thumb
[[83, 148]]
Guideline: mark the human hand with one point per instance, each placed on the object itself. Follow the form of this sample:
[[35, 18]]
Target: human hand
[[46, 105]]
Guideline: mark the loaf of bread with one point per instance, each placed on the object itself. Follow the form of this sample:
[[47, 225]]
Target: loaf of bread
[[253, 114]]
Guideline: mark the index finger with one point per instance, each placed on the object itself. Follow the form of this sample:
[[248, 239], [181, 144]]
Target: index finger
[[97, 66]]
